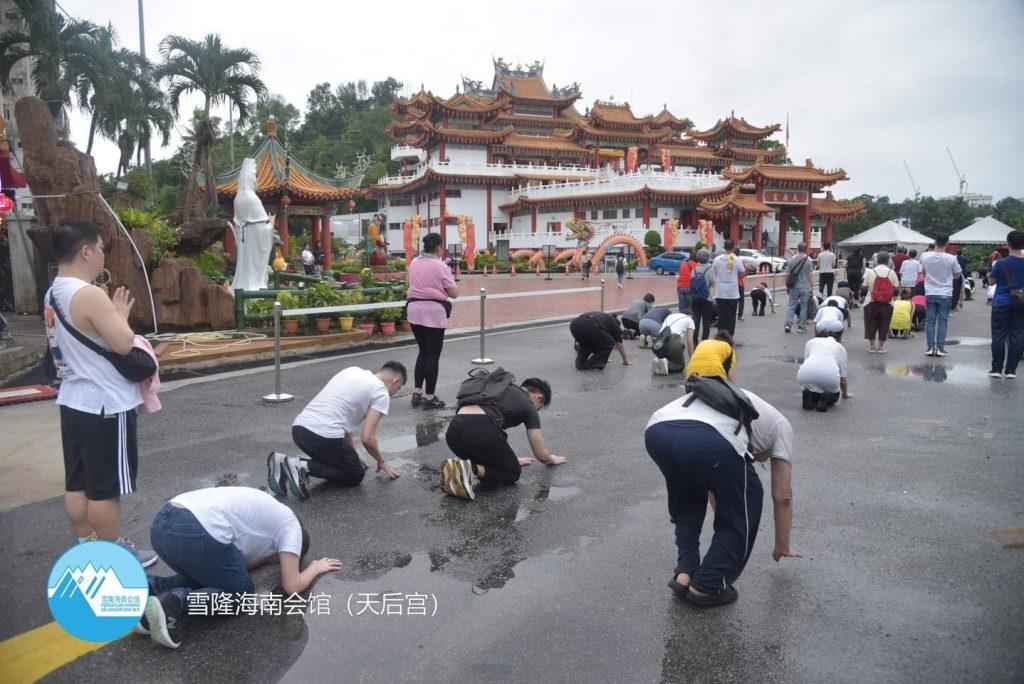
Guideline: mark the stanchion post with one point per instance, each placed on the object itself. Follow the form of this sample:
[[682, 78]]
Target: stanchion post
[[482, 360], [277, 397], [602, 294]]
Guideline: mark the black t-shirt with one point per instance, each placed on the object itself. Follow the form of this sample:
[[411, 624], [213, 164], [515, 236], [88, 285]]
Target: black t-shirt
[[514, 407], [607, 323], [855, 262]]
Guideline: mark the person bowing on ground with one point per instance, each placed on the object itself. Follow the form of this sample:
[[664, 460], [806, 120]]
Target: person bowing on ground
[[597, 333], [713, 357]]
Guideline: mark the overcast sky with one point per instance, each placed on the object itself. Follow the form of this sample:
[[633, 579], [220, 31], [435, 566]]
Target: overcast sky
[[865, 84]]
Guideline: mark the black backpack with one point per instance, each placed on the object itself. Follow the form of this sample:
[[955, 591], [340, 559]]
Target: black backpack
[[660, 346], [724, 397], [483, 388]]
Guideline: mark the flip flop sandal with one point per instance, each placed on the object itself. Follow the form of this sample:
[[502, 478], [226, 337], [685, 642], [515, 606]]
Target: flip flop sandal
[[680, 590]]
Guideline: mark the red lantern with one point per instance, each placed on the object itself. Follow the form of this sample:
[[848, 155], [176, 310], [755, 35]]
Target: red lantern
[[6, 204], [286, 201], [351, 204]]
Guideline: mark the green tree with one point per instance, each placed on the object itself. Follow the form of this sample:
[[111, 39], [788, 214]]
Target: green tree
[[220, 74], [61, 51]]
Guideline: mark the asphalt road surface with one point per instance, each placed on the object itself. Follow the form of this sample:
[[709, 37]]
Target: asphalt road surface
[[898, 493]]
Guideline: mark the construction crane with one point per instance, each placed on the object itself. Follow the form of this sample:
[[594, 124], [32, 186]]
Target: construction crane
[[962, 177], [917, 190]]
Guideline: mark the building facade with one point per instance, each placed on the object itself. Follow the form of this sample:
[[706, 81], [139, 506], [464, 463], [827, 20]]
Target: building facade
[[519, 160]]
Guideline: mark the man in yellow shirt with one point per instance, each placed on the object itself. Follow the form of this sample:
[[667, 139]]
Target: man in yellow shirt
[[713, 357]]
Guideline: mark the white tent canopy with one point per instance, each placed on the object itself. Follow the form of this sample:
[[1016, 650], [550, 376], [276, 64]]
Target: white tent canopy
[[888, 233], [984, 231]]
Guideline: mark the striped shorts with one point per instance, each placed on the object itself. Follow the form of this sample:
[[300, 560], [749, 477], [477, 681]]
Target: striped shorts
[[101, 454]]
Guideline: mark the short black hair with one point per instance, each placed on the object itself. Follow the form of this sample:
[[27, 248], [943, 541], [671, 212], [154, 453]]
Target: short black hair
[[305, 539], [649, 298], [913, 253], [828, 245], [431, 241], [941, 240], [539, 386], [71, 235], [397, 368], [1015, 239], [728, 245], [724, 336]]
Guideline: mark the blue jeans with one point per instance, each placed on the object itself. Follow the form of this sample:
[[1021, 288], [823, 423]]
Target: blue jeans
[[936, 309], [798, 295], [695, 460], [685, 300], [1007, 338], [621, 277], [202, 563]]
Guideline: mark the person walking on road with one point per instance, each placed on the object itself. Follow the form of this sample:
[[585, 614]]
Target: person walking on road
[[212, 538], [620, 270], [430, 285], [97, 404], [881, 282], [585, 265], [700, 294], [726, 268], [326, 428], [596, 334], [798, 286], [741, 275], [700, 450], [826, 270], [855, 275], [490, 404], [940, 269], [1008, 308]]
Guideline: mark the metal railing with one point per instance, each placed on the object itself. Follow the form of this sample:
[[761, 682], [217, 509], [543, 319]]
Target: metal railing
[[484, 169]]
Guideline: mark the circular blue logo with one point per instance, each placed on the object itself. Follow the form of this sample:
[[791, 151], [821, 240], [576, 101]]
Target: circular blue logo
[[97, 591]]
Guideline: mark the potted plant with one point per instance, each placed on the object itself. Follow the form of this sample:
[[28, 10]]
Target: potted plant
[[365, 324], [320, 295], [290, 301], [388, 318], [344, 298]]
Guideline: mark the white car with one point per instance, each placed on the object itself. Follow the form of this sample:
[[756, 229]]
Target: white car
[[755, 259]]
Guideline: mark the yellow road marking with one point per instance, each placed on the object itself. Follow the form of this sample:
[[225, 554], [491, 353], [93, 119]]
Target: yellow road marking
[[31, 656]]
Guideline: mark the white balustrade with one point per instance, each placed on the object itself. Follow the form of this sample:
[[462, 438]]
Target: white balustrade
[[478, 169], [407, 151], [656, 180]]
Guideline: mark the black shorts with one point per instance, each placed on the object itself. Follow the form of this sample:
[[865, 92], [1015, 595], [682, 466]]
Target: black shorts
[[101, 453]]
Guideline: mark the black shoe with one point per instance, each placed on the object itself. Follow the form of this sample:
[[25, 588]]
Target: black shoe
[[722, 598], [808, 398], [417, 399], [430, 404], [163, 618], [678, 589], [787, 328]]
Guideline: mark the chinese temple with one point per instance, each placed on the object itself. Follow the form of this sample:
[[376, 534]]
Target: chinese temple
[[289, 189], [519, 159]]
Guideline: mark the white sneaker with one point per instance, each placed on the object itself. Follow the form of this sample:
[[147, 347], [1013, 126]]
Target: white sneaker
[[659, 367], [1010, 376], [941, 352], [995, 374]]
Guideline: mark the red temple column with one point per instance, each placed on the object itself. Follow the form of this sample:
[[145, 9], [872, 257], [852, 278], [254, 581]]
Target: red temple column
[[229, 243], [783, 228], [757, 232], [533, 219], [314, 233], [805, 217], [442, 220], [734, 228], [325, 235], [647, 213], [282, 232], [827, 235]]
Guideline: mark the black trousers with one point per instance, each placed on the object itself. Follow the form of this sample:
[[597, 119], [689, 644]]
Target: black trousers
[[856, 279], [703, 312], [430, 341], [758, 299], [826, 281], [593, 343], [330, 459], [740, 303], [630, 324], [958, 288], [727, 314], [819, 400], [695, 459], [478, 439]]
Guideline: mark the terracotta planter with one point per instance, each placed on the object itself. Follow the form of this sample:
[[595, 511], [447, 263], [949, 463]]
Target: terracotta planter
[[366, 327], [345, 323], [406, 326], [291, 326], [387, 328], [323, 325]]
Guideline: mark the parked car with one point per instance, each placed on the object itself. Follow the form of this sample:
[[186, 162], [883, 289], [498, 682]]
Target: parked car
[[754, 260], [667, 262]]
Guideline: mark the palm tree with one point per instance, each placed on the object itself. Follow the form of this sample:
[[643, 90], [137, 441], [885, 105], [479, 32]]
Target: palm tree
[[144, 110], [61, 51], [220, 74]]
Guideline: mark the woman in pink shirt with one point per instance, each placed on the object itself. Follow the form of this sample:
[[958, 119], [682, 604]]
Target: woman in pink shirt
[[430, 286]]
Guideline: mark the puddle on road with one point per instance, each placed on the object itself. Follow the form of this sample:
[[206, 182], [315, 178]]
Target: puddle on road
[[960, 374], [970, 341], [426, 433], [375, 565], [555, 493]]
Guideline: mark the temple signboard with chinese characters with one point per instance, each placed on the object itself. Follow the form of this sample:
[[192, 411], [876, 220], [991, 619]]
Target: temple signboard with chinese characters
[[786, 196]]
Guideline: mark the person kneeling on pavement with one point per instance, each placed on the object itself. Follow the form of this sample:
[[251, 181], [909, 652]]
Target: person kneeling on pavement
[[713, 358], [635, 311], [597, 334], [211, 538], [832, 315], [673, 345], [707, 441], [489, 404], [650, 324], [822, 375], [325, 428]]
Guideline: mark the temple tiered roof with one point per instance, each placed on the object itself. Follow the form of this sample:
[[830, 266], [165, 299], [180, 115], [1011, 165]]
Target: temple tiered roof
[[667, 119], [278, 173], [783, 175], [730, 126], [611, 115], [739, 203], [830, 207], [523, 85]]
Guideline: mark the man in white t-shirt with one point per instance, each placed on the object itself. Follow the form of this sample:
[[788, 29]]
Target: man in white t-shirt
[[211, 538], [940, 268], [307, 260], [699, 450], [909, 270], [674, 344], [826, 269], [326, 428], [822, 375], [726, 268]]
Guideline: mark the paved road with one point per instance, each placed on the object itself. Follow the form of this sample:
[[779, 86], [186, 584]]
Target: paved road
[[898, 493]]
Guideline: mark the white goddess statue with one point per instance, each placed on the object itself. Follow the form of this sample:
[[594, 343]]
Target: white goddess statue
[[253, 234]]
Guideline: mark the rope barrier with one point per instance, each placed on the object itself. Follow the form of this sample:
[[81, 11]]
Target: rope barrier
[[196, 343]]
